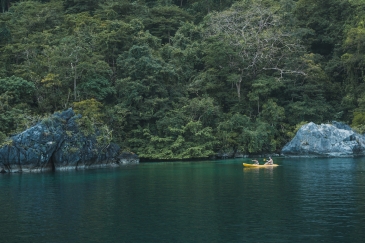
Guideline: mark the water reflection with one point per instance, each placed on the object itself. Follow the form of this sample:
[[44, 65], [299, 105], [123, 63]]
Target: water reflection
[[299, 201]]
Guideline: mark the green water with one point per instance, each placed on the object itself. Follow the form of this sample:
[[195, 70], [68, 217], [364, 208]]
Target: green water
[[303, 200]]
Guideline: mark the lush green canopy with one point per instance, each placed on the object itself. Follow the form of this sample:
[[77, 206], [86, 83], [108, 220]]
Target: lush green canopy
[[176, 79]]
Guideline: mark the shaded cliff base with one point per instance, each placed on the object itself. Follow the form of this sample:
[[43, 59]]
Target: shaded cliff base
[[57, 143]]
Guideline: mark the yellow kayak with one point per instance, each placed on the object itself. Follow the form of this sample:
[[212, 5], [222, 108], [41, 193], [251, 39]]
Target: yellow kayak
[[258, 166]]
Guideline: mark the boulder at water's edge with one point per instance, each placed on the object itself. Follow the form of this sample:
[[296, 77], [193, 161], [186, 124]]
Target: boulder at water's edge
[[325, 140], [56, 143]]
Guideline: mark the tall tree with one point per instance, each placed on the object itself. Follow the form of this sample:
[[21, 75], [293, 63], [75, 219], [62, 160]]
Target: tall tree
[[353, 60], [255, 41], [164, 21], [79, 6], [324, 23]]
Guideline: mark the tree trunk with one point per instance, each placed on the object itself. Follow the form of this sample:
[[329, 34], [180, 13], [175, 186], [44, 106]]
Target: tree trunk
[[238, 86], [75, 85], [75, 79]]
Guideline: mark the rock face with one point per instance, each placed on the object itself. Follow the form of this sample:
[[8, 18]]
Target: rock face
[[56, 143], [325, 140]]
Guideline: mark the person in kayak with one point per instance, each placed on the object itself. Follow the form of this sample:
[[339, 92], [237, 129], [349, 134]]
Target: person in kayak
[[255, 161], [269, 162]]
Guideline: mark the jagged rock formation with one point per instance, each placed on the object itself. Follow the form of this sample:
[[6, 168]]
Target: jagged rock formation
[[325, 140], [56, 143]]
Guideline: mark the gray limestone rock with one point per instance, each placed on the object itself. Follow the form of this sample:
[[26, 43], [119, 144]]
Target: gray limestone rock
[[56, 143], [325, 140]]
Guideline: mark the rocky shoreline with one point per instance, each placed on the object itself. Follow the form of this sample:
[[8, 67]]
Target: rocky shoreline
[[56, 144], [325, 140]]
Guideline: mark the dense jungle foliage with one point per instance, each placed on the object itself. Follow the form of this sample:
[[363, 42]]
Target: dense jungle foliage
[[174, 79]]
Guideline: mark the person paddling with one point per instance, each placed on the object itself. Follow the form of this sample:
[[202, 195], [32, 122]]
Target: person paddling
[[255, 161], [269, 162]]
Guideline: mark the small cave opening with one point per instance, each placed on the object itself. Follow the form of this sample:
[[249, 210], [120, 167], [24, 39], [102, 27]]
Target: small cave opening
[[51, 162]]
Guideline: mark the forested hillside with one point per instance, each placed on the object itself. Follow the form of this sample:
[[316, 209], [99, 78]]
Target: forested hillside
[[174, 79]]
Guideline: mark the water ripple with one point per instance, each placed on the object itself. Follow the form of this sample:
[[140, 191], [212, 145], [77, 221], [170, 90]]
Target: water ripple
[[319, 200]]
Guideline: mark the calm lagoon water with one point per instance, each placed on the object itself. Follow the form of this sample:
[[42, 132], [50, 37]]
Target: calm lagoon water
[[303, 200]]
